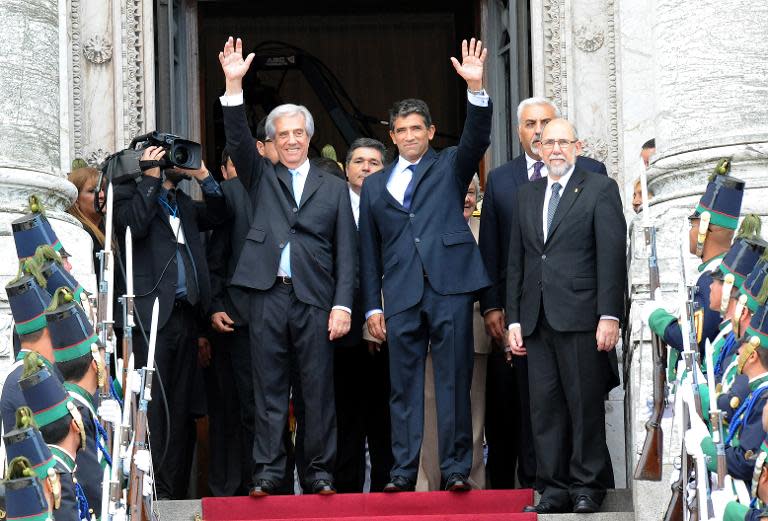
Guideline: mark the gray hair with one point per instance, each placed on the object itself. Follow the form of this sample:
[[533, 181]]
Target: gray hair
[[287, 110], [366, 142], [530, 102], [476, 181]]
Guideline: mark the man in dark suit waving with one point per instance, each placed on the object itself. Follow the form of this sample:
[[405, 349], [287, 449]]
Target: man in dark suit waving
[[415, 245], [298, 264], [566, 274], [505, 422]]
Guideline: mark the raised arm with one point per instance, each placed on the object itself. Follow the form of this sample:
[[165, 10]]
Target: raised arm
[[240, 144], [476, 135]]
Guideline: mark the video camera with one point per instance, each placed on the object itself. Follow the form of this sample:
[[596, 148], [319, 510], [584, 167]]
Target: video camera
[[123, 166]]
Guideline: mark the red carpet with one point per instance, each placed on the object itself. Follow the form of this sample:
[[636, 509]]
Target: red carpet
[[477, 505]]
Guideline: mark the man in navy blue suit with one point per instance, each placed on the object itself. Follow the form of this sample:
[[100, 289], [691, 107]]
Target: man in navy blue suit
[[416, 249], [502, 426]]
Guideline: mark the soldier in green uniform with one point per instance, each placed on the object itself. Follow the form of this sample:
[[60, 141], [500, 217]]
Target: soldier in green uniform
[[62, 429], [25, 498], [77, 353]]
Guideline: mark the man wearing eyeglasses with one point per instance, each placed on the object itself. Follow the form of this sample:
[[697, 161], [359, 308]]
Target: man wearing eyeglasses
[[566, 275], [508, 428]]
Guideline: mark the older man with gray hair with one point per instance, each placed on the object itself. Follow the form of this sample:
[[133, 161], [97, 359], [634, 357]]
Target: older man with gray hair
[[505, 423], [298, 264]]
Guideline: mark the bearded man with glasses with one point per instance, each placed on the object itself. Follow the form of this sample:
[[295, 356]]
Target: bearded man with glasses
[[566, 276]]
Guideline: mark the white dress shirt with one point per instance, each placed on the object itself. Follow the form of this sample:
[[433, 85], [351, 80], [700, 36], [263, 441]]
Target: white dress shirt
[[298, 188], [531, 163], [355, 200]]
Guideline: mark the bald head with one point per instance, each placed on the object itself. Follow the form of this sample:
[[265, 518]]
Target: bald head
[[559, 147]]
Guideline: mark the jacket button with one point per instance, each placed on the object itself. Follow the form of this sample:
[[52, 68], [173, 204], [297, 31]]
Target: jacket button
[[412, 215], [293, 230], [539, 283], [417, 240], [281, 245], [295, 210], [544, 257]]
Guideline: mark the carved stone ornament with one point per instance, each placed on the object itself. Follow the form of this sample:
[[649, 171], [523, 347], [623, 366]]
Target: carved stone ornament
[[97, 49], [588, 41], [595, 148], [96, 157]]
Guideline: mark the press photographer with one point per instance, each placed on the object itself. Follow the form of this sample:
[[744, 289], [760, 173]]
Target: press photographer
[[169, 263]]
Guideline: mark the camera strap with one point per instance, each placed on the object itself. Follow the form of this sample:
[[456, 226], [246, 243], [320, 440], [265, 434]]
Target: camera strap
[[148, 164]]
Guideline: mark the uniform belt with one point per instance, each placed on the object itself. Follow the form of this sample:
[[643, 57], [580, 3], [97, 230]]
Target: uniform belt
[[288, 281]]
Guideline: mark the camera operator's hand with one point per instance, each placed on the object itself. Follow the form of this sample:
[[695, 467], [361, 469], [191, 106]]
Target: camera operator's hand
[[153, 154], [233, 65], [199, 174]]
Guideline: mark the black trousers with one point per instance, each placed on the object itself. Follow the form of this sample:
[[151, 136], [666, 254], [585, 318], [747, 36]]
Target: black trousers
[[443, 322], [362, 413], [172, 429], [568, 381], [230, 413], [281, 326], [509, 450]]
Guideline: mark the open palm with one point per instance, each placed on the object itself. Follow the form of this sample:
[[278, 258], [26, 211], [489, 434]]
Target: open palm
[[472, 60], [231, 59]]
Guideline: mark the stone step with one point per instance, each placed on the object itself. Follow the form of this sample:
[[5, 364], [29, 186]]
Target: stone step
[[600, 516]]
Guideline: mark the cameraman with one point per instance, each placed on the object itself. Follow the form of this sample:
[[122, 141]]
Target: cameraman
[[169, 263]]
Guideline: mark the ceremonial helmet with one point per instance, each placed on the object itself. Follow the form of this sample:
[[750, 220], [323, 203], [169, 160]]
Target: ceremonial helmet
[[72, 334], [753, 284], [24, 496], [720, 204], [756, 335], [32, 230], [45, 395], [28, 301], [26, 441], [50, 266]]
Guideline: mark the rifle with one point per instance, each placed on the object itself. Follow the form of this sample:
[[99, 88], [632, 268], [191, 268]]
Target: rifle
[[105, 308], [137, 509], [649, 465], [715, 417], [127, 301]]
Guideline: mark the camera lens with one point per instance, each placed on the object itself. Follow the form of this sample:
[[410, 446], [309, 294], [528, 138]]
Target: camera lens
[[180, 156]]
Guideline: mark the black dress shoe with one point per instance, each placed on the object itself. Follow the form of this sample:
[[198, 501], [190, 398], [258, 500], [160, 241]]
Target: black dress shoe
[[457, 483], [324, 487], [544, 507], [585, 505], [400, 484], [263, 487]]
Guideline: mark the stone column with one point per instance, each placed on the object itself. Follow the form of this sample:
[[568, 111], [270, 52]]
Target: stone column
[[709, 92], [34, 135]]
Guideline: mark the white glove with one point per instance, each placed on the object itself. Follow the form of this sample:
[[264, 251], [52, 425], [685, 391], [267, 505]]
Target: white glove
[[136, 382], [109, 411], [147, 488], [695, 435], [720, 500], [685, 393], [649, 306], [143, 460]]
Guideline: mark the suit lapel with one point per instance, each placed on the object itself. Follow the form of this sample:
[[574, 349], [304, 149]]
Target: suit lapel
[[570, 194], [385, 193], [313, 182], [539, 188], [520, 170], [284, 176], [421, 169]]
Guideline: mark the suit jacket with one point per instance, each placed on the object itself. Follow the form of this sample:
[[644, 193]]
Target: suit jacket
[[398, 246], [579, 273], [224, 248], [498, 201], [155, 271], [321, 229], [482, 340]]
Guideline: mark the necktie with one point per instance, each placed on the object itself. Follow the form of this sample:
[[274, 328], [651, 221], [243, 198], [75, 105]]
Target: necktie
[[408, 195], [537, 166], [553, 201], [297, 189], [285, 255]]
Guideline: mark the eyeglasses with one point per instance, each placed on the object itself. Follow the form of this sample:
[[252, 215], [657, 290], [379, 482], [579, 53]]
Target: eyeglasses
[[562, 143]]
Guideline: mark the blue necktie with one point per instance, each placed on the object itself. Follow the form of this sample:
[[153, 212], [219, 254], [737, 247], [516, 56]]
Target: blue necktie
[[285, 256], [408, 195], [553, 202], [537, 166]]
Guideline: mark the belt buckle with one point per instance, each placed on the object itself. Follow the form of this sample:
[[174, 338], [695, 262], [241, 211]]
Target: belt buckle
[[285, 280]]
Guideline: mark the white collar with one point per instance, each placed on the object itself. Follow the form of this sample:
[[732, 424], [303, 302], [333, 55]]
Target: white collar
[[563, 180], [761, 375], [303, 168], [529, 161], [403, 163], [353, 196]]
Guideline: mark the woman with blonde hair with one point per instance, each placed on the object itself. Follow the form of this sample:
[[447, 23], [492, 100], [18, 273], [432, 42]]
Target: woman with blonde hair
[[84, 209]]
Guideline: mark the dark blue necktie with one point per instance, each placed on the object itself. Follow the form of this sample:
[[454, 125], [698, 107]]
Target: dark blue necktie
[[408, 195]]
